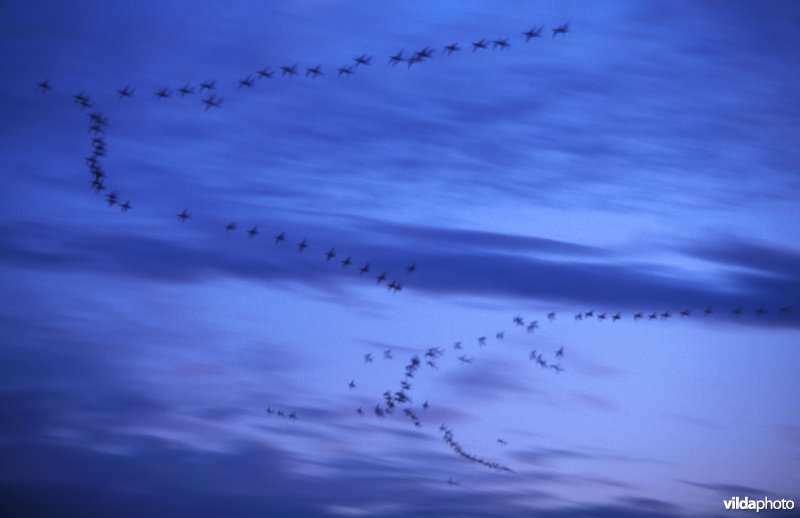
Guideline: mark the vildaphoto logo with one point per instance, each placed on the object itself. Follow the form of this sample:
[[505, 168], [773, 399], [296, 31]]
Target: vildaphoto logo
[[764, 504]]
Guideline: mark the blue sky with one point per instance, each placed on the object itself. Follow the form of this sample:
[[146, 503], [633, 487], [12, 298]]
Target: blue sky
[[643, 162]]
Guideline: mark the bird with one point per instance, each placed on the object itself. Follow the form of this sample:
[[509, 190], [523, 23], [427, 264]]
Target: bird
[[364, 269], [532, 326], [185, 90], [482, 341], [352, 384], [246, 82], [360, 411], [44, 86], [501, 43], [163, 93], [637, 316], [617, 316], [347, 262], [212, 102], [686, 312], [280, 237], [208, 85], [314, 72], [560, 352], [519, 321], [761, 311], [476, 45], [501, 441], [411, 268], [381, 277], [253, 232], [368, 358], [183, 216], [125, 92], [287, 70], [387, 354], [302, 245], [345, 71], [708, 311], [363, 59], [265, 73], [563, 29], [534, 32], [457, 345], [453, 47], [230, 226], [551, 316], [397, 58], [125, 207], [500, 335], [111, 198], [330, 255]]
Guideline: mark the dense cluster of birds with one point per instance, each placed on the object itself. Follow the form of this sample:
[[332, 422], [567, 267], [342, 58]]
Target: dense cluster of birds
[[207, 90]]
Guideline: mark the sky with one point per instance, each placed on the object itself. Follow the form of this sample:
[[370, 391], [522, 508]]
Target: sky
[[645, 161]]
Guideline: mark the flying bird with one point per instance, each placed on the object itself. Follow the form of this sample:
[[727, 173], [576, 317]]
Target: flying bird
[[364, 269], [345, 71], [44, 86], [208, 85], [253, 232], [363, 59], [518, 320], [708, 311], [246, 82], [534, 32], [280, 237], [501, 43], [617, 316], [265, 73], [397, 58], [186, 90], [125, 207], [686, 312], [302, 245], [551, 316], [560, 352], [352, 384], [163, 93], [453, 47], [411, 268], [476, 45], [564, 29], [125, 92], [368, 358], [501, 441], [212, 102], [381, 277], [230, 226], [183, 216], [314, 72], [287, 70], [347, 262], [330, 255]]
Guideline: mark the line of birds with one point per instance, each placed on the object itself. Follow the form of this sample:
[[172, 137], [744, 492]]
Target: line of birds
[[448, 437], [280, 413], [209, 87], [98, 123]]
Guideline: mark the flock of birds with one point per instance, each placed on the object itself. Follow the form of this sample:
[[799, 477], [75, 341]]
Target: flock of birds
[[207, 90], [400, 397]]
